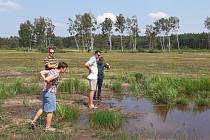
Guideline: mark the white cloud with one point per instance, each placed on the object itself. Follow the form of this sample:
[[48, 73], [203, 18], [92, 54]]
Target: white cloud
[[100, 19], [8, 5], [158, 15]]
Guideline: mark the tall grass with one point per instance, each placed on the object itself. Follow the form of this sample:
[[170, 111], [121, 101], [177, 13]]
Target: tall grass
[[108, 120], [73, 86], [117, 86], [19, 86], [166, 89], [67, 112]]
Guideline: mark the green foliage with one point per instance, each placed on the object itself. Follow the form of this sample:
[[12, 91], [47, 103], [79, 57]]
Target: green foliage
[[18, 87], [202, 101], [67, 112], [117, 86], [108, 120], [162, 89], [182, 101], [73, 86], [137, 85], [192, 86], [119, 135]]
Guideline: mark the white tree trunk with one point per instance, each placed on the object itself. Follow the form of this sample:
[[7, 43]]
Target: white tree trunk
[[121, 43], [164, 47], [83, 43], [135, 43], [177, 39], [169, 43], [91, 39], [76, 42], [110, 42], [161, 43]]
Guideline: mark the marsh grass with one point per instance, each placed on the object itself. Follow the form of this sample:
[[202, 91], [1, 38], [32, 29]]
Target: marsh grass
[[182, 101], [18, 87], [108, 135], [69, 113], [107, 120], [73, 86], [164, 89], [202, 101], [117, 86]]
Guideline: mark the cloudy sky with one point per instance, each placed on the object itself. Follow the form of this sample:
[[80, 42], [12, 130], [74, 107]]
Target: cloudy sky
[[192, 13]]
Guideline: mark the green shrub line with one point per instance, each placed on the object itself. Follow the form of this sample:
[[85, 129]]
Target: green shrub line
[[107, 120]]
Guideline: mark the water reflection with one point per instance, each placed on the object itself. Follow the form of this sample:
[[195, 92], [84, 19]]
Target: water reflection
[[189, 121]]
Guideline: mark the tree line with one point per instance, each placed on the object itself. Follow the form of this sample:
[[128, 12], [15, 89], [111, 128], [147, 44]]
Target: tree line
[[85, 33]]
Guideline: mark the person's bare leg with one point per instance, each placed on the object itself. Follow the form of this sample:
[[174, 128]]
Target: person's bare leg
[[49, 119], [92, 92], [38, 114]]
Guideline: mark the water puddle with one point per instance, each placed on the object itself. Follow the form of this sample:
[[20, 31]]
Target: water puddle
[[162, 121]]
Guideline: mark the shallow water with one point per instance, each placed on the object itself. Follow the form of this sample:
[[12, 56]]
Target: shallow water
[[162, 121]]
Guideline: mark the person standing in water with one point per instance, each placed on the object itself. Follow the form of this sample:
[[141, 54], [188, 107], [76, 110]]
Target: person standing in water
[[101, 65], [91, 65]]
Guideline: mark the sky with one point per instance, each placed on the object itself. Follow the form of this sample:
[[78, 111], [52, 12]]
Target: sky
[[191, 13]]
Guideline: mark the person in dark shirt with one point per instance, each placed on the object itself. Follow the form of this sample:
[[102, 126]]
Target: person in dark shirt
[[101, 65]]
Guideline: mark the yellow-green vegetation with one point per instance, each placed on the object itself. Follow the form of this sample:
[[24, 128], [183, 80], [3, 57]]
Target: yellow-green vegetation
[[188, 63], [108, 120]]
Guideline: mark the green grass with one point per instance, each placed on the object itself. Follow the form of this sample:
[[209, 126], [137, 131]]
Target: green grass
[[182, 101], [109, 135], [108, 120], [69, 113], [117, 86], [73, 86], [202, 101], [19, 86]]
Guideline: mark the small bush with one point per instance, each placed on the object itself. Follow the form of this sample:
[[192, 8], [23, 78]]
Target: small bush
[[67, 112], [182, 101], [105, 119], [202, 101], [117, 86]]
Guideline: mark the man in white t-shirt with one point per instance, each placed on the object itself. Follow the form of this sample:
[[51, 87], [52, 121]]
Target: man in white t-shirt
[[91, 65]]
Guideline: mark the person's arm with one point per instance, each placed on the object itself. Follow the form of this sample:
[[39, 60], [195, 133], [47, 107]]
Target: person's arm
[[44, 73], [87, 65]]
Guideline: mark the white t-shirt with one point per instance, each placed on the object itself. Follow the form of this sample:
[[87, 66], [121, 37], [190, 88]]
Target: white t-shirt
[[94, 69]]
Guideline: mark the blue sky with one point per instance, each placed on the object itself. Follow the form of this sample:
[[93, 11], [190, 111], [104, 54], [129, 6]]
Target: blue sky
[[192, 13]]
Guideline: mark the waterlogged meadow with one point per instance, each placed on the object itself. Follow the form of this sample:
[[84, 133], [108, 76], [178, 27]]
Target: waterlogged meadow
[[145, 96]]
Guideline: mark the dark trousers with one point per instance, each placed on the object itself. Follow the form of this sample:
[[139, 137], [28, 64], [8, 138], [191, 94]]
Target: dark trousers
[[99, 86]]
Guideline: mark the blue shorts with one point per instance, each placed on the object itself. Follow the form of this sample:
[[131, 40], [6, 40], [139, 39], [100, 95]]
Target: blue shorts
[[49, 101]]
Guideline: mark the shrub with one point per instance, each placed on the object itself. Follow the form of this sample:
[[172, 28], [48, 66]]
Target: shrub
[[105, 119], [117, 86], [67, 112], [182, 101], [73, 86], [202, 101]]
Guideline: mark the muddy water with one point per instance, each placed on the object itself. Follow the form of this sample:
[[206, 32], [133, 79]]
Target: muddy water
[[162, 121]]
